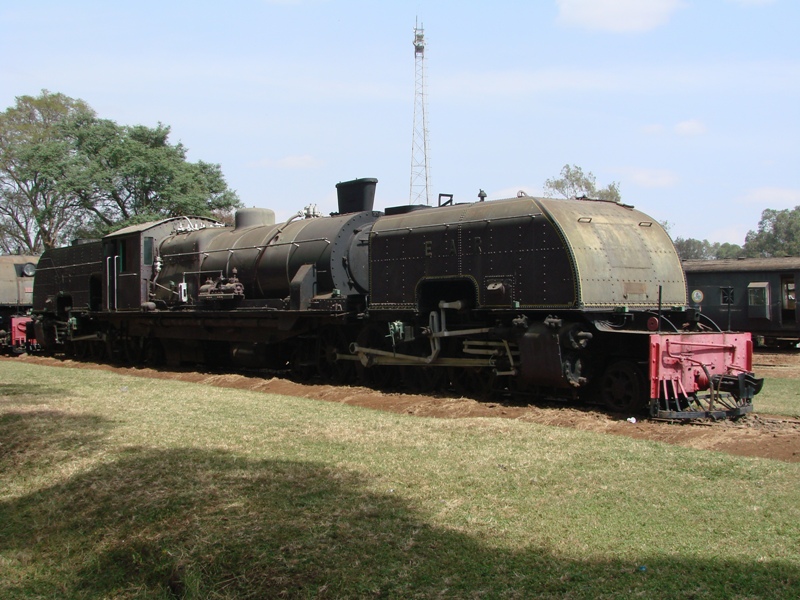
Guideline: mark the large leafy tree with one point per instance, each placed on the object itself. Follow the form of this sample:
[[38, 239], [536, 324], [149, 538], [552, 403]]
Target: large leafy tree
[[66, 172], [778, 234], [35, 159], [574, 183], [690, 248], [133, 174]]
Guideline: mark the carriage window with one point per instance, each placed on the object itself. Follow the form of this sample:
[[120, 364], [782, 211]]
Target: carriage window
[[726, 295], [122, 255], [789, 294], [148, 251], [758, 300]]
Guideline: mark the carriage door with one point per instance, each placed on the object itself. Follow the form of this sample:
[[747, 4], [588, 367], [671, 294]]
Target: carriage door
[[758, 301], [123, 283], [788, 300], [111, 271], [129, 282]]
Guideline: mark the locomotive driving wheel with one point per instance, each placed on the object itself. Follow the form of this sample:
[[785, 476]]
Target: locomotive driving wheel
[[480, 383], [622, 387], [80, 350], [332, 342], [133, 347], [376, 376], [153, 354], [422, 379], [97, 350]]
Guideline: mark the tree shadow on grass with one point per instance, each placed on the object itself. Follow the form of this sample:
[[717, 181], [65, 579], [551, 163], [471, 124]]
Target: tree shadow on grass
[[28, 393], [34, 440], [188, 523]]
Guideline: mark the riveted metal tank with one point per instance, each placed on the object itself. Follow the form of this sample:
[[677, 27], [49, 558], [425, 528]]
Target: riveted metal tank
[[621, 256], [525, 253]]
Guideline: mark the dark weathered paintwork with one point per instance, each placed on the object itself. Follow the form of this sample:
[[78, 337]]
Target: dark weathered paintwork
[[524, 295]]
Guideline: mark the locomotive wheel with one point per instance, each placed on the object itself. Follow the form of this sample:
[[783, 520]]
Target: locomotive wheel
[[622, 387], [80, 350], [97, 351], [423, 379], [331, 343], [133, 350], [153, 353], [475, 382], [303, 362], [375, 376]]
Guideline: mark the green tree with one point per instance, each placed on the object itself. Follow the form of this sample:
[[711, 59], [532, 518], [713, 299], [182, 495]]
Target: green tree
[[133, 174], [690, 248], [778, 234], [573, 183], [35, 158], [65, 172], [727, 250]]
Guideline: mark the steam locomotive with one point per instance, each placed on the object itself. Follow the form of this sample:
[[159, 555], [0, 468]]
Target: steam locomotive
[[16, 300], [579, 298]]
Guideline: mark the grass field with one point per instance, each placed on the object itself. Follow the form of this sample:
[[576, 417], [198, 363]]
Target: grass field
[[779, 397], [121, 487]]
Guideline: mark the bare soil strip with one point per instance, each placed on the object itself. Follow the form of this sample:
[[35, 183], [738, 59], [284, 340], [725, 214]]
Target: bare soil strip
[[756, 435]]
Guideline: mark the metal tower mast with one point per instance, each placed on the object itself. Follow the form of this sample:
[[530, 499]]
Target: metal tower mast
[[420, 170]]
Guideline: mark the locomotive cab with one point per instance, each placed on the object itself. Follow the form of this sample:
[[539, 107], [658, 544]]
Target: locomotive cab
[[132, 263]]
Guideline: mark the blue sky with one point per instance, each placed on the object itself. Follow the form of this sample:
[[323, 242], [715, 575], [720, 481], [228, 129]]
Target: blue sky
[[691, 105]]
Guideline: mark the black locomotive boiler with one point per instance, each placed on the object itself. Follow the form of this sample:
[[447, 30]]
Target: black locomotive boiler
[[577, 298]]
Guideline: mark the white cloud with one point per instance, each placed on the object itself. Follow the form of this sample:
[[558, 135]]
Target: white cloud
[[691, 128], [617, 16], [651, 178], [302, 161], [772, 197]]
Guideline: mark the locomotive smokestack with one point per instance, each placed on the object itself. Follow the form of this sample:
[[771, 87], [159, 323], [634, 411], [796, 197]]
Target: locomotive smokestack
[[253, 217], [357, 195]]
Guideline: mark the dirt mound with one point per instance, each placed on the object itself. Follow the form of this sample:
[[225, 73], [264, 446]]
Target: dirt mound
[[755, 435]]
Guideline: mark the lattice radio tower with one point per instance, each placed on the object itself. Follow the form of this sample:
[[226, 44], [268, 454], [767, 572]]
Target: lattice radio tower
[[420, 169]]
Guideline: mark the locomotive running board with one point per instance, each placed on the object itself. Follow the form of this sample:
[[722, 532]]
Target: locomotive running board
[[385, 357]]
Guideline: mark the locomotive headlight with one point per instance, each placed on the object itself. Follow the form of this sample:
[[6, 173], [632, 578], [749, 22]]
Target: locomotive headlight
[[29, 269]]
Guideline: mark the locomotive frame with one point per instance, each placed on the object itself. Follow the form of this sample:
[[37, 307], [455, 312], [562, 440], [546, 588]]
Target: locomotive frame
[[570, 298]]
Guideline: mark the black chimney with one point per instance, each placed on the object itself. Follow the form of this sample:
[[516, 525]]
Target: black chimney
[[357, 195]]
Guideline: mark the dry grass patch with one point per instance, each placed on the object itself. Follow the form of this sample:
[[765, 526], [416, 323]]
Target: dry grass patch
[[132, 488]]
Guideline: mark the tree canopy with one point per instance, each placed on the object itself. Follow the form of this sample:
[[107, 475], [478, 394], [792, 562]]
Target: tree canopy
[[573, 183], [65, 172], [778, 234], [689, 248], [35, 158]]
